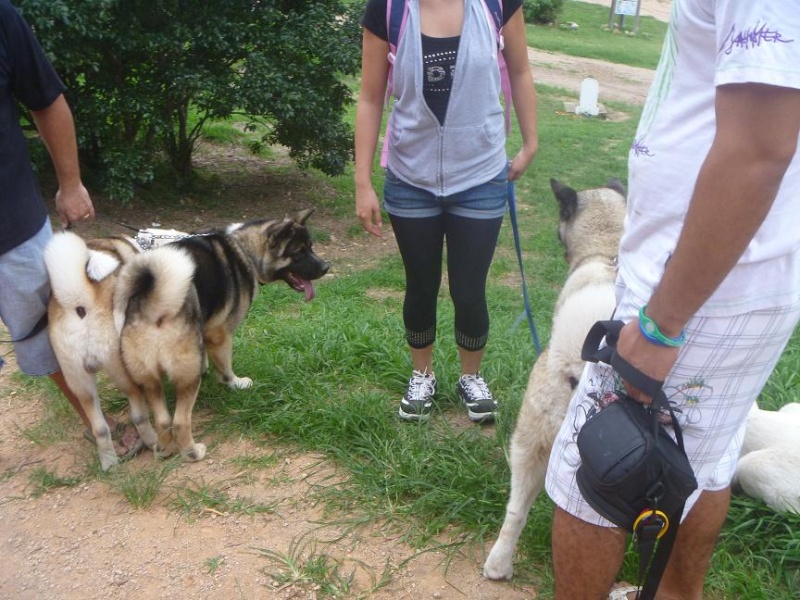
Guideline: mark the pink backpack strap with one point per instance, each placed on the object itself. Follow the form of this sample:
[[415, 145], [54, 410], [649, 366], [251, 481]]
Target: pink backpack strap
[[396, 17], [494, 15]]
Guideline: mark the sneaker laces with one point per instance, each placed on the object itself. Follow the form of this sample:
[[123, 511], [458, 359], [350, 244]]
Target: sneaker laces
[[475, 387], [421, 386]]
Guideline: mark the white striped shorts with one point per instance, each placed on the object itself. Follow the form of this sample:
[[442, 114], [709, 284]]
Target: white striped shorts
[[717, 377]]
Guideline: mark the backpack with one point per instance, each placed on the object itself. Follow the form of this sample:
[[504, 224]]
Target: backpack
[[396, 15]]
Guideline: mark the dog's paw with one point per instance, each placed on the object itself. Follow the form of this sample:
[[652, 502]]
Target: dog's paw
[[498, 567], [148, 435], [108, 460], [164, 450], [240, 383], [194, 452]]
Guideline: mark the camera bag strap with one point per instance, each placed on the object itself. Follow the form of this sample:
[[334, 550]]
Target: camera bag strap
[[653, 543]]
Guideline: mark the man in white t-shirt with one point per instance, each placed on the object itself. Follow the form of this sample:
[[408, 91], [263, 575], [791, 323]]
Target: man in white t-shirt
[[711, 251]]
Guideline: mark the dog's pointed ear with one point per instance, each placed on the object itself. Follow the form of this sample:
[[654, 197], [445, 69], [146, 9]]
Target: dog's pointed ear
[[302, 216], [276, 231], [615, 183], [567, 199]]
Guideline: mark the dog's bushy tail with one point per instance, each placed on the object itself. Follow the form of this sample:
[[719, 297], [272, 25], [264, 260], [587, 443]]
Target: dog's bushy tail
[[71, 265], [154, 285]]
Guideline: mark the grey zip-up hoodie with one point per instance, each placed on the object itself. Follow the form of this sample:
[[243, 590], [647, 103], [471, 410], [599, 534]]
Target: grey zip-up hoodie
[[469, 148]]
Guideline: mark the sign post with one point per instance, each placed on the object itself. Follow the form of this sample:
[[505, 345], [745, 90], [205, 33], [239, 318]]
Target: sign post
[[623, 8]]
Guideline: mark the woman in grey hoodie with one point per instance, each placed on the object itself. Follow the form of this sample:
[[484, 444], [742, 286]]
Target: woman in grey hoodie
[[447, 170]]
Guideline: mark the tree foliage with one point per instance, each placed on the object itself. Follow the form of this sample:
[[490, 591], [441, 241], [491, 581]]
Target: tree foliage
[[542, 11], [144, 76]]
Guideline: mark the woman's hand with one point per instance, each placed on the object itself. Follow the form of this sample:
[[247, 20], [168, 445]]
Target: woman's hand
[[368, 210], [521, 161]]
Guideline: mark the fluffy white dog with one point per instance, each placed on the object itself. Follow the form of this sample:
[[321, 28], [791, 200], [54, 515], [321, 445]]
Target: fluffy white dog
[[769, 465]]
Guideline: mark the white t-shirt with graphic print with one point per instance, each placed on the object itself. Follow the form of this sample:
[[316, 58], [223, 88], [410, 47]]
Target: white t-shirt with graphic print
[[712, 43]]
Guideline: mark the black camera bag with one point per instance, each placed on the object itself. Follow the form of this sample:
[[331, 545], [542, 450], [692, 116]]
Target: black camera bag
[[632, 471], [630, 464]]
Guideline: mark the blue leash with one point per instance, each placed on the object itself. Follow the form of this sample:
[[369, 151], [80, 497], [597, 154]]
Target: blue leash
[[512, 209]]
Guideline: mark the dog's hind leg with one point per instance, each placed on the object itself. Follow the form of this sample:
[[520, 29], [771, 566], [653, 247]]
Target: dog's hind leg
[[136, 400], [165, 443], [529, 457], [83, 385], [185, 397], [141, 418], [220, 348]]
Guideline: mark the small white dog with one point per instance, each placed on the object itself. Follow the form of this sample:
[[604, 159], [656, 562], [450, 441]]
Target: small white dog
[[769, 465]]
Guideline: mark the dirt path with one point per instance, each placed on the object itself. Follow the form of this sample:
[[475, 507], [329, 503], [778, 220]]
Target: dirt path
[[617, 82], [86, 541]]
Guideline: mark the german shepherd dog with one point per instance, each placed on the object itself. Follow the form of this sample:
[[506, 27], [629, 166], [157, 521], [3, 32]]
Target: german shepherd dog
[[172, 308], [590, 227]]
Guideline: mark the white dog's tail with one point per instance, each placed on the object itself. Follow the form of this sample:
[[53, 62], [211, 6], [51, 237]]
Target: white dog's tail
[[155, 285], [71, 264]]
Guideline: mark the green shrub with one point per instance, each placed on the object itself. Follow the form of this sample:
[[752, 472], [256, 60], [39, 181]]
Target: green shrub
[[542, 11], [144, 78]]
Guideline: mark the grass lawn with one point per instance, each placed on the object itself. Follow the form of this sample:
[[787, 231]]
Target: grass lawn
[[331, 372]]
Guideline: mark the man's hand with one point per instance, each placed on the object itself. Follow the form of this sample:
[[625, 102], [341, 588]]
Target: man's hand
[[651, 359], [73, 205]]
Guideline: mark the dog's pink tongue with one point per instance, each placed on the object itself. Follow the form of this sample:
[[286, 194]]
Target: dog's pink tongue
[[308, 288]]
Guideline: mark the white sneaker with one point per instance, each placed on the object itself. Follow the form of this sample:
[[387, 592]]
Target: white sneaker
[[476, 397], [417, 404]]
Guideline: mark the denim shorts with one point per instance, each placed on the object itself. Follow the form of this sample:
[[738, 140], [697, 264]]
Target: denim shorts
[[24, 294], [485, 201]]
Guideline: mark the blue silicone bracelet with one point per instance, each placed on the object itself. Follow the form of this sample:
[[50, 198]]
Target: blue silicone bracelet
[[650, 330]]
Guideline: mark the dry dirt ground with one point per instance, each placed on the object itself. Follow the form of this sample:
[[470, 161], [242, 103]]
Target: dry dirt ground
[[87, 541], [616, 82]]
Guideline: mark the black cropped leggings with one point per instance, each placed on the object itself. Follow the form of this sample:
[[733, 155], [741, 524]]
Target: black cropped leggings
[[470, 248]]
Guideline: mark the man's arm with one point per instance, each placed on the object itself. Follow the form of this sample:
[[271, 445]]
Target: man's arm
[[756, 139], [57, 129]]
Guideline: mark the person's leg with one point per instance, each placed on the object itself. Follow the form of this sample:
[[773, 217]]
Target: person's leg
[[23, 304], [685, 574], [686, 570], [420, 241], [586, 557], [422, 358], [470, 248], [470, 360], [472, 227], [58, 378]]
